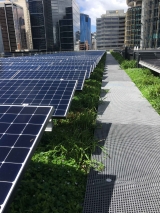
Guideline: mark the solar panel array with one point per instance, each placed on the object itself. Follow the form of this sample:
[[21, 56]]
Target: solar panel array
[[30, 87], [20, 131], [55, 93], [62, 75], [75, 66]]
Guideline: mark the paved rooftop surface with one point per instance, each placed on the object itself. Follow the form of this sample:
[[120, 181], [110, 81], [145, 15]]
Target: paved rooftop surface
[[129, 128]]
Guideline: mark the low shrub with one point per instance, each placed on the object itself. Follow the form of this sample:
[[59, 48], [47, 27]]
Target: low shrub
[[118, 57], [128, 64], [148, 84], [124, 64], [145, 80]]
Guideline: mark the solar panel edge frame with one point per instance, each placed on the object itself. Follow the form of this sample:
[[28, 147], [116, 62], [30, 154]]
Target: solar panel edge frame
[[83, 82], [10, 195], [70, 100]]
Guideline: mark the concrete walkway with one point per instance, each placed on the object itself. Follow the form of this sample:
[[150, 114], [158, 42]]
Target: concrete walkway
[[130, 129]]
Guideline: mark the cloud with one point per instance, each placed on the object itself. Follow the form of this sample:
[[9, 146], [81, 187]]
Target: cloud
[[95, 8]]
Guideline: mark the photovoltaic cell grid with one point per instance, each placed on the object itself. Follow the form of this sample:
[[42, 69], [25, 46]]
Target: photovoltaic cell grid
[[80, 57], [21, 128], [62, 55], [6, 74], [55, 66], [63, 70], [50, 62], [55, 93], [46, 62], [65, 75], [40, 67], [48, 75]]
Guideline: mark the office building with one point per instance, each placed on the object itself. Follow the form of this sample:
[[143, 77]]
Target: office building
[[111, 30], [12, 27], [41, 24], [150, 29], [133, 24], [66, 25], [85, 32], [24, 5]]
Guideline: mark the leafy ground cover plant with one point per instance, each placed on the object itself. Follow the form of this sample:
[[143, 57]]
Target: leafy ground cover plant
[[148, 84], [124, 64], [55, 180], [118, 57], [147, 81], [128, 64]]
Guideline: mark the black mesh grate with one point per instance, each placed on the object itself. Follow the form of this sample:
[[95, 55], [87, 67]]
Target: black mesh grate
[[130, 181]]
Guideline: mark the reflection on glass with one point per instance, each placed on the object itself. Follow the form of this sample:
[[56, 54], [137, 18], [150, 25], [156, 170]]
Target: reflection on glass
[[66, 24], [41, 24], [13, 27], [85, 32]]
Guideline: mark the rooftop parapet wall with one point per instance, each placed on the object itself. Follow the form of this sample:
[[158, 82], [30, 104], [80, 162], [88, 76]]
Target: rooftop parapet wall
[[115, 13]]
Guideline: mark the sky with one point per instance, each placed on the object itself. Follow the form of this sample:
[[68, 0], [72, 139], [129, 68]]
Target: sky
[[95, 8]]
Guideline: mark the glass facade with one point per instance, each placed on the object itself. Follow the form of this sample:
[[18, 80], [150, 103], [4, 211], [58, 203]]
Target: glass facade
[[85, 29], [4, 27], [13, 27], [76, 25], [24, 5], [41, 24], [19, 26], [133, 27], [66, 24], [150, 30], [66, 36]]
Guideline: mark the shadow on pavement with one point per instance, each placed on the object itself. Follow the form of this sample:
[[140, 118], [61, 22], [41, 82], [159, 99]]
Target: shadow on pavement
[[99, 192]]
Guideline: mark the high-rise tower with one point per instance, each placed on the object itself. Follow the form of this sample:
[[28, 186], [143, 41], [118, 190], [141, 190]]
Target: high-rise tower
[[66, 24], [12, 27], [41, 24], [24, 5], [133, 23], [85, 32], [150, 30]]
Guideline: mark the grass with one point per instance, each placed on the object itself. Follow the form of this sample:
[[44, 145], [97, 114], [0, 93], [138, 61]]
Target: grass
[[55, 180], [146, 80]]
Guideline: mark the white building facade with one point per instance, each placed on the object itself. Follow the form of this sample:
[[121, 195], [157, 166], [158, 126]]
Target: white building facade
[[111, 30]]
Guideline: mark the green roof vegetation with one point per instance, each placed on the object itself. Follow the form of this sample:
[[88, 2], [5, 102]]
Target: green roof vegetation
[[146, 80], [55, 180]]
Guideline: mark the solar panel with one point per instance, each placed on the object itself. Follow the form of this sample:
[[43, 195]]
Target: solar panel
[[79, 75], [87, 55], [7, 74], [66, 62], [57, 93], [43, 67], [21, 128], [18, 67]]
